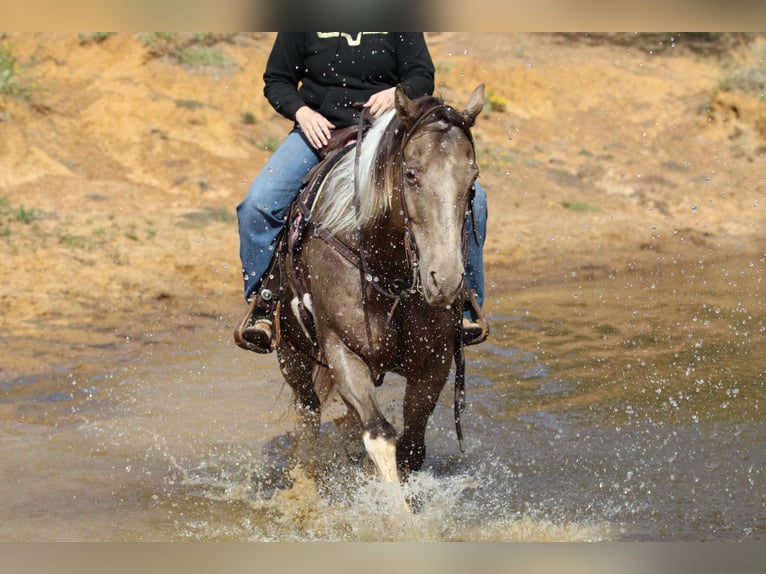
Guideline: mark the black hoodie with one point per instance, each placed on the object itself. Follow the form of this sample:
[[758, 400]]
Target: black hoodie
[[330, 71]]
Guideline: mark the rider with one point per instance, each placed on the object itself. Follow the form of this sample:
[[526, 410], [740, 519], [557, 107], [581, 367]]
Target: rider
[[314, 78]]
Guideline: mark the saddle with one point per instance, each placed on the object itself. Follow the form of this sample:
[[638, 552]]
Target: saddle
[[272, 292], [341, 138]]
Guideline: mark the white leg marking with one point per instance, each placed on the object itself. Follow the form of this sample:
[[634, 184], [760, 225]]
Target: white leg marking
[[383, 454], [294, 302]]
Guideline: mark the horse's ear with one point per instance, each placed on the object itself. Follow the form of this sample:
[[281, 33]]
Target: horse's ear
[[475, 105], [405, 107]]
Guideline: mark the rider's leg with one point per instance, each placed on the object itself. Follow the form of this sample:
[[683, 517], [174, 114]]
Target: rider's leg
[[474, 266], [263, 212], [262, 215]]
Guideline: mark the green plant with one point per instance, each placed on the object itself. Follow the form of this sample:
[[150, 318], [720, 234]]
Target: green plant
[[75, 241], [94, 37], [188, 50], [5, 230], [9, 215], [269, 143], [189, 104], [15, 81], [201, 56], [749, 78], [580, 207], [159, 43], [23, 215], [499, 157], [497, 103], [443, 67], [9, 72], [207, 215]]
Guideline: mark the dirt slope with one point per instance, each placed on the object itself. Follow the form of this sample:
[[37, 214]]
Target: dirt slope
[[121, 168]]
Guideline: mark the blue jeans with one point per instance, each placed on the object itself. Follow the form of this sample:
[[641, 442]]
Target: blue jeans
[[264, 210], [474, 262]]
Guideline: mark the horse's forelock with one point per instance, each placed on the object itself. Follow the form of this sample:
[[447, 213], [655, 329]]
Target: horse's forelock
[[445, 117], [431, 114]]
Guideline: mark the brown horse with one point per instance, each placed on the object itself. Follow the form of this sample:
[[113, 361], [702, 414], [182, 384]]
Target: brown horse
[[377, 283]]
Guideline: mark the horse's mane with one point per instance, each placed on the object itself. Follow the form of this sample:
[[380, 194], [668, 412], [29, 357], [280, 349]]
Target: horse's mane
[[379, 168]]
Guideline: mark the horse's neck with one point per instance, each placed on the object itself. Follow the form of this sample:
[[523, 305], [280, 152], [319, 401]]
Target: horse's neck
[[384, 246]]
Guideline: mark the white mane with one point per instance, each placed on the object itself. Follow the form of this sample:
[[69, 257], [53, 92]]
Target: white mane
[[335, 210]]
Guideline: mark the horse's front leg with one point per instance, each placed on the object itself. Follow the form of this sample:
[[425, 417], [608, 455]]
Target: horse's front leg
[[299, 373], [420, 398], [354, 383]]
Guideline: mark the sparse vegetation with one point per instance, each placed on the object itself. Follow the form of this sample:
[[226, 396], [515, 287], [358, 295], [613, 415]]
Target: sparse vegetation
[[76, 241], [207, 215], [201, 56], [667, 43], [442, 67], [187, 50], [496, 103], [5, 229], [749, 78], [23, 215], [11, 215], [189, 104], [10, 80], [15, 81], [159, 43], [31, 229], [580, 207], [269, 143], [94, 37]]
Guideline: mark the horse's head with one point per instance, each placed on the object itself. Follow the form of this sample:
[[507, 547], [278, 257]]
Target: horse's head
[[438, 169]]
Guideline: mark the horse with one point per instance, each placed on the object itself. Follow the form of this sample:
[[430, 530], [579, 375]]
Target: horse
[[376, 284]]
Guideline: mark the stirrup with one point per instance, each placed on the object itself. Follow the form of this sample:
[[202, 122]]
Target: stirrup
[[256, 332], [474, 331]]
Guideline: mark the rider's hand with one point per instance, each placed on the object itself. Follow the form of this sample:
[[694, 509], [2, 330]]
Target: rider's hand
[[314, 125], [381, 102]]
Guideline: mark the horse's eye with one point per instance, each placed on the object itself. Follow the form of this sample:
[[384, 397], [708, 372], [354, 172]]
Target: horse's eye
[[411, 174]]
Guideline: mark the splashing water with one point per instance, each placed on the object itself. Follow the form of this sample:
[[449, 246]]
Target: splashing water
[[630, 412]]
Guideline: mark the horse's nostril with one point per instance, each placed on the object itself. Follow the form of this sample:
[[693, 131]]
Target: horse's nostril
[[437, 279]]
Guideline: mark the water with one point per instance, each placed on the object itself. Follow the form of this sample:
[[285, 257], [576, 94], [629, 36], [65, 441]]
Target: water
[[606, 406]]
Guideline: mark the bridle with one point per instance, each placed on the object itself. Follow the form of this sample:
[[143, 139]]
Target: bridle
[[413, 261], [410, 246]]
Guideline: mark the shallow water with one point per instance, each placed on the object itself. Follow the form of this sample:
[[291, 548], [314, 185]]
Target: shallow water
[[605, 406]]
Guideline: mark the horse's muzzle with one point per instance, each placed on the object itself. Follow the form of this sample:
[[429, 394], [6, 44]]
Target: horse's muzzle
[[442, 289]]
